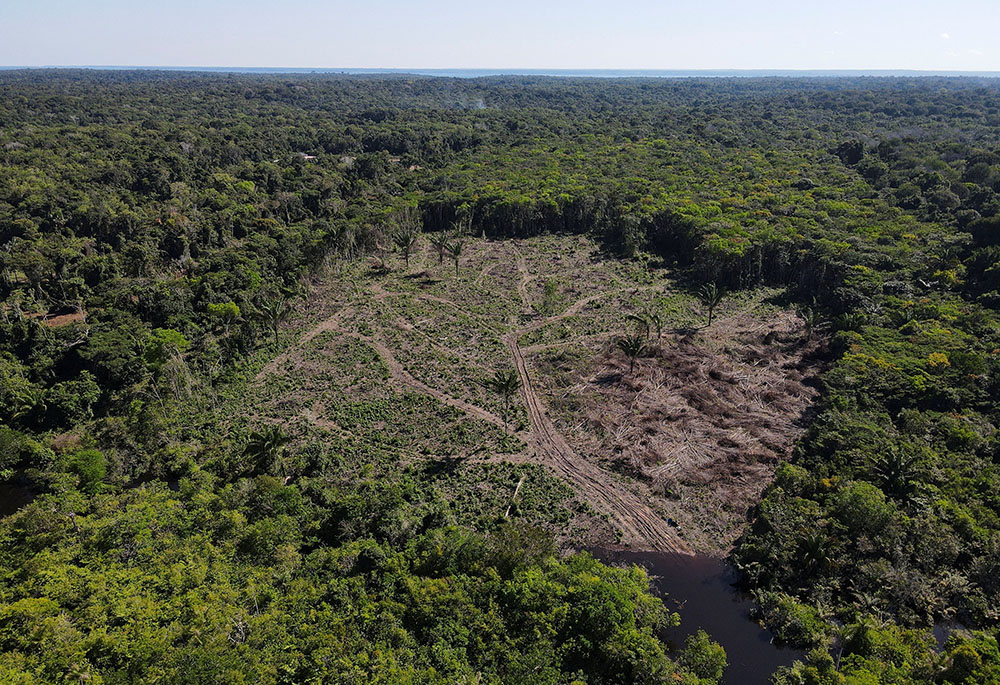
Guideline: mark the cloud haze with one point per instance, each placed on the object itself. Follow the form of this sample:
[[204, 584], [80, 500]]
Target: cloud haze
[[712, 34]]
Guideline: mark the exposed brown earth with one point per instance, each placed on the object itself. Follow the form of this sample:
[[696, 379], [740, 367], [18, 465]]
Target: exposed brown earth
[[703, 420], [672, 454], [640, 525]]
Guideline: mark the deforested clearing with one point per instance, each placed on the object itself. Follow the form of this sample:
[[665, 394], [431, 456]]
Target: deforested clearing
[[667, 457], [703, 419]]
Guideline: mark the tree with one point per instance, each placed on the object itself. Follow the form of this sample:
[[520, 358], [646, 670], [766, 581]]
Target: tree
[[91, 467], [405, 237], [859, 637], [162, 345], [705, 658], [851, 321], [462, 226], [265, 447], [454, 249], [505, 384], [897, 474], [440, 242], [632, 346], [810, 319], [272, 312], [813, 553], [224, 314], [711, 297]]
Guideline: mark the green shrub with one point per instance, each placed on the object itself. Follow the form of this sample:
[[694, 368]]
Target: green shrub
[[91, 468]]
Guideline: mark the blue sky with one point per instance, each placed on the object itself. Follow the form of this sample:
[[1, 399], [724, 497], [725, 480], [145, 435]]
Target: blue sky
[[646, 34]]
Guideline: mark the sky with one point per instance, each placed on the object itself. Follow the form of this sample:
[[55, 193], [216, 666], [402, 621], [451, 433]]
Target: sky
[[515, 34]]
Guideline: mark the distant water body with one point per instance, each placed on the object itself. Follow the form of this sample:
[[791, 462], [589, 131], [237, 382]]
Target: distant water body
[[574, 73]]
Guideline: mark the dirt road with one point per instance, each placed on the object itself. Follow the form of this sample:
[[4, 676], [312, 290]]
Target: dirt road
[[641, 527]]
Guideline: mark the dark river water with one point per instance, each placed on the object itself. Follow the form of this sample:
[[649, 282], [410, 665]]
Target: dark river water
[[701, 590], [14, 494]]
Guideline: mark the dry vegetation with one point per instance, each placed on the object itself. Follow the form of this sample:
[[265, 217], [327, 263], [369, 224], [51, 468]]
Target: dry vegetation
[[703, 419], [668, 457]]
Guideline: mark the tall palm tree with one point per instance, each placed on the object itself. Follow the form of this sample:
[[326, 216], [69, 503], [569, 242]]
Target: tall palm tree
[[454, 249], [405, 237], [272, 312], [711, 296], [632, 346], [265, 447], [505, 384], [440, 241]]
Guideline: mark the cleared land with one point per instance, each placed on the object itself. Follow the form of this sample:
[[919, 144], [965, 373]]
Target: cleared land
[[667, 457]]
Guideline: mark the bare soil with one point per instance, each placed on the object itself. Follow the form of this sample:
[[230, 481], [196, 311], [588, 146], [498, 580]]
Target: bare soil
[[703, 420], [670, 456]]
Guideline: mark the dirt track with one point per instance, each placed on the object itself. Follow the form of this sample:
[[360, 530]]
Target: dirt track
[[641, 527], [691, 402]]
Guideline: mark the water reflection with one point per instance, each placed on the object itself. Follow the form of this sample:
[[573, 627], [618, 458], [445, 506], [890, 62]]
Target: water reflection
[[701, 589], [15, 493]]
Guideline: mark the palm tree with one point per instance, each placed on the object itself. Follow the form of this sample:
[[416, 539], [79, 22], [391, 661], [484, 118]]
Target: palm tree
[[711, 296], [641, 321], [654, 320], [647, 322], [272, 312], [900, 317], [851, 321], [440, 242], [265, 446], [462, 226], [505, 384], [810, 319], [857, 636], [25, 403], [405, 237], [814, 554], [632, 346], [454, 249], [897, 474]]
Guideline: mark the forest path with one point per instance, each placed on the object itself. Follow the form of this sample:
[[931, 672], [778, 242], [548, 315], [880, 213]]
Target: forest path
[[641, 527], [403, 377], [329, 324], [396, 369]]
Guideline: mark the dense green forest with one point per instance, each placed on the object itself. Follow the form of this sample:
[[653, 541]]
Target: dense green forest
[[157, 230]]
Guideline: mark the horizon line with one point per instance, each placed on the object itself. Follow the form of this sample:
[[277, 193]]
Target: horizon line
[[499, 70]]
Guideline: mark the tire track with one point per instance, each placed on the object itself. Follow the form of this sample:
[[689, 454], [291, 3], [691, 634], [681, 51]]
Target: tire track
[[329, 324], [403, 377], [640, 525]]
